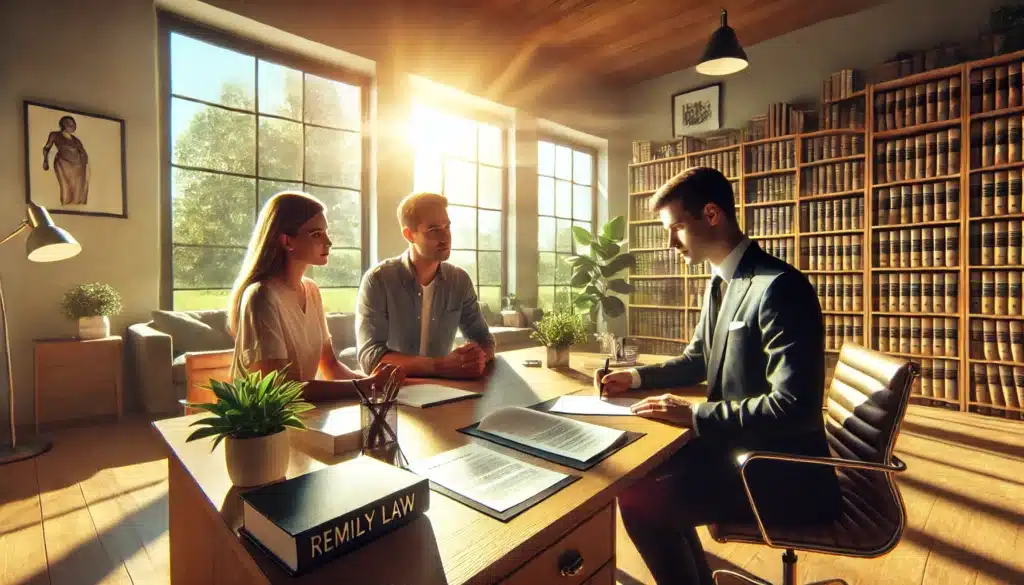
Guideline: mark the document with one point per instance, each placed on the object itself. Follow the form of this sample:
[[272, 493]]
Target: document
[[423, 395], [555, 434], [592, 405], [486, 476]]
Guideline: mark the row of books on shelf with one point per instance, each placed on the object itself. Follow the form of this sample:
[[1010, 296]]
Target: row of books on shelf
[[833, 178], [657, 292], [823, 148], [926, 156], [656, 263], [921, 202], [727, 163], [924, 103], [998, 385], [821, 253], [782, 249], [996, 243], [652, 176], [695, 290], [919, 336], [658, 347], [841, 84], [997, 193], [995, 88], [849, 115], [840, 329], [648, 236], [648, 150], [996, 292], [997, 340], [772, 156], [839, 292], [769, 189], [917, 248], [770, 221], [916, 292], [640, 208], [845, 213], [938, 379], [996, 141], [782, 119], [669, 324]]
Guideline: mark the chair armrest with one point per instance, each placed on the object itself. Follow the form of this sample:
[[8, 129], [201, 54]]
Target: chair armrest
[[204, 360], [744, 459], [150, 353]]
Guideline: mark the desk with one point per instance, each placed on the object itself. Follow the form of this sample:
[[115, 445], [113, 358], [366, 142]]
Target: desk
[[452, 544]]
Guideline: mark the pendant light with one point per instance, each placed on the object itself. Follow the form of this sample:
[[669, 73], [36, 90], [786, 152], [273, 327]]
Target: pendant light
[[723, 54]]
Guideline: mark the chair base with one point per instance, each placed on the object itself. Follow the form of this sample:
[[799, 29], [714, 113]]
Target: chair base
[[788, 574]]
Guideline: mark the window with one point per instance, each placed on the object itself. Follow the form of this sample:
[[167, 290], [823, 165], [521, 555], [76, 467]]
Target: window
[[242, 129], [464, 160], [565, 198]]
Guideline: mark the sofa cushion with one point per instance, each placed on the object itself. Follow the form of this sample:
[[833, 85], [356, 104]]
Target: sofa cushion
[[342, 328], [194, 330]]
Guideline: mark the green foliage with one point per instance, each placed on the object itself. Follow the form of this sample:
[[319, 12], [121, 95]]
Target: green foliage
[[91, 300], [512, 302], [560, 329], [594, 271], [253, 405]]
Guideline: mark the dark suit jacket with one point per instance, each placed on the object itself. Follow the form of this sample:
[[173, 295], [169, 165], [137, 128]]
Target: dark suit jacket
[[765, 382]]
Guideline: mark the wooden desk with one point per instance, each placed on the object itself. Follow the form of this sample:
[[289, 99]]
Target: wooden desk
[[452, 544]]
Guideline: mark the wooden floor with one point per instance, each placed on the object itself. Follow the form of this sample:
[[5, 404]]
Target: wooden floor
[[94, 510]]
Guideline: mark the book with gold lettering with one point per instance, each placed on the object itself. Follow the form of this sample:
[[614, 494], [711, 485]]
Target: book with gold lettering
[[309, 520]]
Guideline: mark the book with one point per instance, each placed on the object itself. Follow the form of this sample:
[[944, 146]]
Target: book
[[426, 395], [309, 520], [331, 430]]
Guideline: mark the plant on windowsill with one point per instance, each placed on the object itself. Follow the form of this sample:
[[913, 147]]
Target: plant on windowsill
[[252, 415], [92, 305], [594, 271], [558, 331], [511, 316]]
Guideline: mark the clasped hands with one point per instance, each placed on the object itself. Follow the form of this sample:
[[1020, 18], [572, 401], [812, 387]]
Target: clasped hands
[[466, 361], [667, 407]]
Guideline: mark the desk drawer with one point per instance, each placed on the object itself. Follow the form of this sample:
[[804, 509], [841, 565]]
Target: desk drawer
[[593, 542]]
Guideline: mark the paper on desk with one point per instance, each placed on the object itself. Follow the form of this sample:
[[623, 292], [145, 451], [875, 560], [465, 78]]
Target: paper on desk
[[422, 395], [555, 434], [486, 476], [592, 405]]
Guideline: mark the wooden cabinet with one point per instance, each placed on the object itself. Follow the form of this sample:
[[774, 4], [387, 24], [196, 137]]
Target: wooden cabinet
[[576, 557], [77, 380]]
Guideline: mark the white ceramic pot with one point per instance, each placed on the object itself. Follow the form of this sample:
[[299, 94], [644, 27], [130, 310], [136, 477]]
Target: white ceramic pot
[[93, 327], [257, 460], [558, 358]]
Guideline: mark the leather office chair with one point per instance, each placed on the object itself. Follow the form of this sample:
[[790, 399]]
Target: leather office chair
[[200, 368], [864, 407]]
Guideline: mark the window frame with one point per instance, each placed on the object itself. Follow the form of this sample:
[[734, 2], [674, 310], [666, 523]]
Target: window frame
[[168, 23]]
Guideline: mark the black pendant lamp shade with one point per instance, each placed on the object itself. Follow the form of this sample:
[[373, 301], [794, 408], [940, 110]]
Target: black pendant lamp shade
[[723, 54]]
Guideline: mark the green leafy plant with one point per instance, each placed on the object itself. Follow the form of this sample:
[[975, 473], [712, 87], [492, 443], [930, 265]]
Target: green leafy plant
[[253, 405], [594, 271], [560, 329], [91, 300]]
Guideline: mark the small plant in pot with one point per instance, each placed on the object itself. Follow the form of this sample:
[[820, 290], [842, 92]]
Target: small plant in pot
[[92, 305], [511, 316], [251, 416], [558, 331]]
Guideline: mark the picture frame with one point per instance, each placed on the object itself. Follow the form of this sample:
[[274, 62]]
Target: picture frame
[[83, 166], [696, 111]]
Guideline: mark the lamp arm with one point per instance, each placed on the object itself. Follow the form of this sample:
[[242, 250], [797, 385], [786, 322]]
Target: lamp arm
[[24, 225]]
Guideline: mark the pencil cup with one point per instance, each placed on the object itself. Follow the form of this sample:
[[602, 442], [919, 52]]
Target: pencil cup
[[379, 424]]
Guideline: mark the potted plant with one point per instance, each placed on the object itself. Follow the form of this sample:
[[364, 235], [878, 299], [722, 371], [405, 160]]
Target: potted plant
[[92, 305], [593, 271], [511, 316], [251, 416], [558, 331]]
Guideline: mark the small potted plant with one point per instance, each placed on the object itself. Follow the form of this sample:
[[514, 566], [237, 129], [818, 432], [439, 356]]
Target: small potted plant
[[558, 331], [511, 316], [251, 416], [92, 305]]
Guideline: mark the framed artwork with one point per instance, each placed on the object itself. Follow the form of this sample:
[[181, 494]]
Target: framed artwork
[[695, 111], [74, 161]]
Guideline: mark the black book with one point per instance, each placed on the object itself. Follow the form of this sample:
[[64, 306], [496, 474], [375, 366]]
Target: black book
[[307, 521]]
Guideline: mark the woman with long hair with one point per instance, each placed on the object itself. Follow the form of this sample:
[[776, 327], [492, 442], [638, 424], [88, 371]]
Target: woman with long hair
[[276, 313]]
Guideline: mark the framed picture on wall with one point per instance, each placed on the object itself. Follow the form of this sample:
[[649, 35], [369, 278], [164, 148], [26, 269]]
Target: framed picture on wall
[[75, 161], [696, 111]]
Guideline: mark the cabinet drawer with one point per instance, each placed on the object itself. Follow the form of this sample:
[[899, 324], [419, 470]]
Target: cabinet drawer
[[576, 557], [604, 576]]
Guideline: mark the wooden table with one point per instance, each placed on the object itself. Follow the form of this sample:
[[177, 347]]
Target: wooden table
[[452, 544]]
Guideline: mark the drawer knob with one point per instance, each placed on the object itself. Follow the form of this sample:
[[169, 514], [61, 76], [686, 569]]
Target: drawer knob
[[570, 563]]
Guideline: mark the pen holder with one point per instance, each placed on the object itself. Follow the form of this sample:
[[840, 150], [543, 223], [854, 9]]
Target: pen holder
[[379, 424]]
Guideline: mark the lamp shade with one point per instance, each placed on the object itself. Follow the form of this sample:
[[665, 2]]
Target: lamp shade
[[47, 242], [723, 54]]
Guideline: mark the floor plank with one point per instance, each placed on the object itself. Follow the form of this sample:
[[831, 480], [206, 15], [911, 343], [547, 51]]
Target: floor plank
[[22, 547]]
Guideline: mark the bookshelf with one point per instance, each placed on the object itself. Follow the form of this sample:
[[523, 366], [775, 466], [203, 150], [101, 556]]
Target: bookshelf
[[906, 213]]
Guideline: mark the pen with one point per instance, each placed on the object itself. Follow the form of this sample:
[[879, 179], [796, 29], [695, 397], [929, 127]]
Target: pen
[[604, 373]]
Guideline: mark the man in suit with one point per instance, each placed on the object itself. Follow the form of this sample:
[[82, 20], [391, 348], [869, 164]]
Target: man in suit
[[759, 345]]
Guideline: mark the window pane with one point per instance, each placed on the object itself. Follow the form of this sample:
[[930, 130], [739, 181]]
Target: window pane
[[344, 267], [490, 230], [460, 183], [210, 208], [333, 158], [212, 74], [564, 236], [280, 149], [563, 270], [582, 202], [209, 137], [280, 90], [465, 259], [458, 136], [205, 267], [582, 167], [546, 196], [201, 300], [491, 179], [339, 300], [563, 162], [427, 175], [490, 296], [490, 269], [491, 151], [546, 159], [576, 247], [546, 298], [270, 188], [546, 234], [463, 227], [332, 103], [343, 213], [563, 198], [546, 268]]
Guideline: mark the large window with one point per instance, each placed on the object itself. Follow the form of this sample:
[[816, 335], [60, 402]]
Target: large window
[[464, 160], [242, 129], [565, 197]]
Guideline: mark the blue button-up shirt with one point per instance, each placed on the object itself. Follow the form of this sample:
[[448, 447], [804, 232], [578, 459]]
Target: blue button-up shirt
[[390, 304]]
